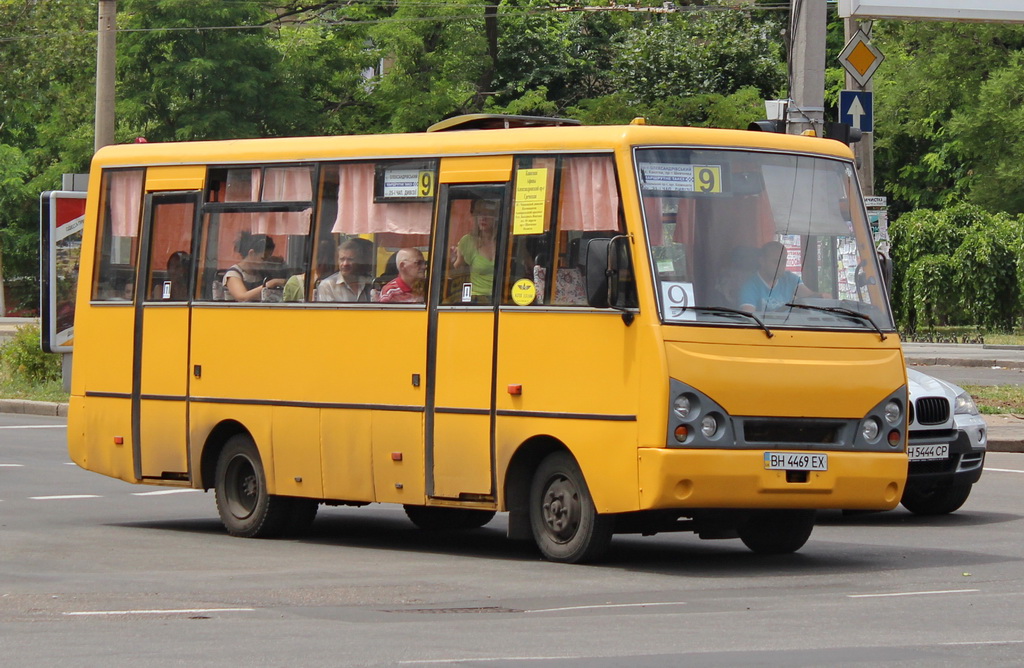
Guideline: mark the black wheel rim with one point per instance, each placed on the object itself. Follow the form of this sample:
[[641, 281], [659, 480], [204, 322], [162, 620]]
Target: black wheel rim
[[242, 487], [561, 508]]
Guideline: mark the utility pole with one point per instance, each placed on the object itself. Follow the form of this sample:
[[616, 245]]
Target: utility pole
[[106, 35], [807, 25]]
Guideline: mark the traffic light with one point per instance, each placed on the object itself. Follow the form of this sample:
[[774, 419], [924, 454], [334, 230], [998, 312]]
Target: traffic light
[[842, 132], [768, 126]]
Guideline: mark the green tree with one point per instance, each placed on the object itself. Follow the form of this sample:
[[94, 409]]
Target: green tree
[[700, 52], [176, 83], [926, 91]]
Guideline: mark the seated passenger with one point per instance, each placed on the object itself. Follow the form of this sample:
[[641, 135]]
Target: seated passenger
[[352, 282], [772, 286], [408, 286], [245, 280]]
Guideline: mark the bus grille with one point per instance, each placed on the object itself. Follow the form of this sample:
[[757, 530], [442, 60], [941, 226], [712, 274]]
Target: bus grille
[[931, 410], [784, 431]]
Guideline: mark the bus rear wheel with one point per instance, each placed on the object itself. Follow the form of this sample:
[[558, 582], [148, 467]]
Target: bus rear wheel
[[434, 518], [245, 507], [777, 531], [566, 525]]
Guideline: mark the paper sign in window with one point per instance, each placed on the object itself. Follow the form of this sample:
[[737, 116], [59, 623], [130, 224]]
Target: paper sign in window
[[531, 201]]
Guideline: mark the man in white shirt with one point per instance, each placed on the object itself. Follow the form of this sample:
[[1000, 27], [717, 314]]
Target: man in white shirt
[[351, 283]]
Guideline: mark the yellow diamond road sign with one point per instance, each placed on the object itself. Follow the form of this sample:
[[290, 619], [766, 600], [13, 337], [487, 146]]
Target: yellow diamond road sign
[[861, 58]]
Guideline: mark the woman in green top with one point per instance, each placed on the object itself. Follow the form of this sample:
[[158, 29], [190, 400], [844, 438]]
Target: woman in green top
[[476, 249]]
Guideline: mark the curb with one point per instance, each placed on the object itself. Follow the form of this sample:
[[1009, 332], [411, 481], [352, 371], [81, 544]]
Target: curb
[[959, 361], [25, 407], [1000, 438]]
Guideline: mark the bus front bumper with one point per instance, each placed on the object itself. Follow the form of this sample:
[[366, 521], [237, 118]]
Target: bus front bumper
[[673, 478]]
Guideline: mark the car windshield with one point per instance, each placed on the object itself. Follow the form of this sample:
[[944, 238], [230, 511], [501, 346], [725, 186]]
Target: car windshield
[[760, 239]]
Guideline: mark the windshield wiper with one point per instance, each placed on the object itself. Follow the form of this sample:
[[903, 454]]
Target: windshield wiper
[[839, 310], [724, 310]]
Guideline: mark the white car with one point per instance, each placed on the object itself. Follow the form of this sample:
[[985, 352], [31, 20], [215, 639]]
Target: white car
[[947, 438]]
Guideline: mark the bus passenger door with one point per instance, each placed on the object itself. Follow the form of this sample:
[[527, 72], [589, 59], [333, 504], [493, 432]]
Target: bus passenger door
[[162, 320], [460, 366]]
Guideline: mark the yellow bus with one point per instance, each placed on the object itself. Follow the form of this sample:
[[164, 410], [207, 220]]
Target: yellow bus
[[597, 330]]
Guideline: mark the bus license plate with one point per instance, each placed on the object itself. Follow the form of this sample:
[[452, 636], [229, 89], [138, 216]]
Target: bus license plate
[[924, 453], [795, 461]]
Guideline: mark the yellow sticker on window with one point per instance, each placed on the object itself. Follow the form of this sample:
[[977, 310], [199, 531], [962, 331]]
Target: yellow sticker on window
[[531, 201], [524, 292]]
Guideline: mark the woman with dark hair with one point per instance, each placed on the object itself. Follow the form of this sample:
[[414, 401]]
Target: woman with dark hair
[[246, 280]]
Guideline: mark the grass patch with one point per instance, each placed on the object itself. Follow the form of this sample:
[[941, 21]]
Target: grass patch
[[19, 388], [995, 399]]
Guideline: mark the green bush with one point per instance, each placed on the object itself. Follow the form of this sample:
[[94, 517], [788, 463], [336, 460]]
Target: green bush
[[958, 266], [22, 358]]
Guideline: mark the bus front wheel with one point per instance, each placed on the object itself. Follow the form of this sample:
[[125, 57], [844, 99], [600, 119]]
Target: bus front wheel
[[245, 507], [777, 531], [566, 525]]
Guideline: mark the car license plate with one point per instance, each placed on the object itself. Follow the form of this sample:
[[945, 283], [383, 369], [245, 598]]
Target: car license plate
[[924, 453], [795, 461]]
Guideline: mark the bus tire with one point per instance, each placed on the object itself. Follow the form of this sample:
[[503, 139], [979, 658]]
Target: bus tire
[[777, 531], [565, 523], [935, 500], [435, 518], [246, 508]]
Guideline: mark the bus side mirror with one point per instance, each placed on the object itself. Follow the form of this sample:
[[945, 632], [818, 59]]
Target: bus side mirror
[[595, 267]]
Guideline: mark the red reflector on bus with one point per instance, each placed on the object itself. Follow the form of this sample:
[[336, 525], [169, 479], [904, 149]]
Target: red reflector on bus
[[515, 390], [396, 456], [895, 437], [682, 432], [119, 440]]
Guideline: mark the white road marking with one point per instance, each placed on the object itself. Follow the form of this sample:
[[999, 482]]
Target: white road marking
[[64, 496], [914, 593], [164, 491], [414, 662], [983, 642], [156, 612], [607, 605], [1004, 470], [10, 466], [34, 426]]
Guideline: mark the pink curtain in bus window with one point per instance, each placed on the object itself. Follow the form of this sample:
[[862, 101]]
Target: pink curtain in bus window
[[285, 185], [655, 223], [590, 200], [125, 202], [359, 214]]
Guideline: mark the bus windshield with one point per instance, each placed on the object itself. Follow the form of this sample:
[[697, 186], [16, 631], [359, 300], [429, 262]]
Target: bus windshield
[[781, 237]]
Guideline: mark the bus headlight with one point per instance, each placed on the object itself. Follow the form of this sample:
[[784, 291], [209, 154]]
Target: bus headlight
[[709, 426], [869, 429], [893, 412], [682, 406]]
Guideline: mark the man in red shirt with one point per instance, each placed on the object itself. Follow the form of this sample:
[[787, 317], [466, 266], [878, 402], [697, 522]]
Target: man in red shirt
[[407, 287]]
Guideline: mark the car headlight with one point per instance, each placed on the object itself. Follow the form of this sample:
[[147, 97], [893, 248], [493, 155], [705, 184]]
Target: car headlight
[[964, 405]]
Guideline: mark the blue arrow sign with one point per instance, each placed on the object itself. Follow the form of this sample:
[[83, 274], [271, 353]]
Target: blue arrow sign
[[856, 109]]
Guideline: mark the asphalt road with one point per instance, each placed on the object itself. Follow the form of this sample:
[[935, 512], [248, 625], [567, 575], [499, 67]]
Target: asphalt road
[[94, 572], [973, 375]]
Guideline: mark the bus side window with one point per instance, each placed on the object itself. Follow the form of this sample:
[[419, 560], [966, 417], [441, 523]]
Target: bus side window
[[120, 213], [580, 201]]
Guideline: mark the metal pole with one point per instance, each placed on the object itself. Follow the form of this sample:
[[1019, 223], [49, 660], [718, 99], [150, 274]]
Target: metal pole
[[808, 23], [106, 33], [864, 150]]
